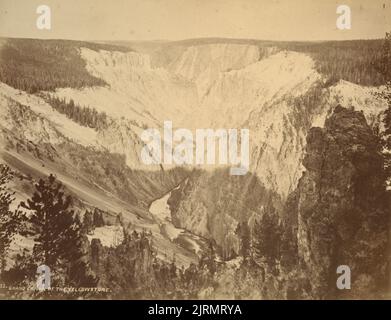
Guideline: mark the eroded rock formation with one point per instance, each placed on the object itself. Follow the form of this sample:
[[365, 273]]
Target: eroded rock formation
[[341, 203]]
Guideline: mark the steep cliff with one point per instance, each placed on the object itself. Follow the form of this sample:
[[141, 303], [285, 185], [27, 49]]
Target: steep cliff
[[125, 269], [212, 204], [277, 94], [341, 208]]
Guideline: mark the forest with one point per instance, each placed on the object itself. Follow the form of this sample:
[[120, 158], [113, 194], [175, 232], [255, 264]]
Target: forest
[[85, 116], [43, 65], [353, 60]]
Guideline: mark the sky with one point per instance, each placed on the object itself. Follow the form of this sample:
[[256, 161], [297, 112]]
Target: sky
[[185, 19]]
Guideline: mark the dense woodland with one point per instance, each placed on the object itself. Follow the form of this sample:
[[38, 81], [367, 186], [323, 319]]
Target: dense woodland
[[84, 116], [44, 65], [352, 61]]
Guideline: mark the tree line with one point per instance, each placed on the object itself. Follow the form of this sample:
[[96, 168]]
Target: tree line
[[344, 60], [84, 116], [34, 65]]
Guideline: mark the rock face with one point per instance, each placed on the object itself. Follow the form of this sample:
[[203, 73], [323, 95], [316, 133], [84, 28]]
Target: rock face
[[212, 204], [253, 88], [278, 95], [126, 268], [342, 214]]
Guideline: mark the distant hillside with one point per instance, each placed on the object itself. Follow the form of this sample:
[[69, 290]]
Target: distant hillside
[[34, 65], [350, 60], [344, 60]]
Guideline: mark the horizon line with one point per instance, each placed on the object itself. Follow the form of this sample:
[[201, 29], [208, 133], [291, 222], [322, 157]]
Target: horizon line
[[191, 39]]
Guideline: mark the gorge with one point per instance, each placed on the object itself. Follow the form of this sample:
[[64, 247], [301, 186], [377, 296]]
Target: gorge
[[314, 173]]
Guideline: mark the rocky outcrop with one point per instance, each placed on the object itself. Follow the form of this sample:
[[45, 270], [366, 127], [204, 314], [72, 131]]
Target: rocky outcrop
[[212, 204], [127, 269], [341, 203], [278, 96]]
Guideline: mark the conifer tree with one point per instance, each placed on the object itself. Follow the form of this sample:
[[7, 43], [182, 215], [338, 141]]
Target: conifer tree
[[88, 222], [266, 236], [54, 227], [9, 221], [98, 219], [243, 231], [79, 272]]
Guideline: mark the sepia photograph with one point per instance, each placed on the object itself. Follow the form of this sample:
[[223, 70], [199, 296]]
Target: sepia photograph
[[199, 150]]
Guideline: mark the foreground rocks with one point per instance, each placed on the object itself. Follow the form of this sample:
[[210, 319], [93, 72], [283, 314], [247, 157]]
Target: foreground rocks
[[341, 214]]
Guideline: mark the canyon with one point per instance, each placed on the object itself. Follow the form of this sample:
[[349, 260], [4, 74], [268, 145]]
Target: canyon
[[275, 93]]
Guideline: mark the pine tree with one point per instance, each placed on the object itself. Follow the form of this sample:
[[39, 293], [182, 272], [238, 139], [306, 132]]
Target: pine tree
[[54, 227], [208, 258], [98, 219], [9, 221], [266, 237], [243, 231], [79, 272], [88, 222]]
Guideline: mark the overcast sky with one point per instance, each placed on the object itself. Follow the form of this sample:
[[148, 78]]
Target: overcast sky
[[183, 19]]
